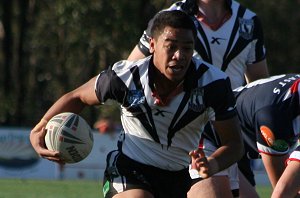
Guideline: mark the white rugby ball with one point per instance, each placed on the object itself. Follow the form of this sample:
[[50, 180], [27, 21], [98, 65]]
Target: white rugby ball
[[71, 135]]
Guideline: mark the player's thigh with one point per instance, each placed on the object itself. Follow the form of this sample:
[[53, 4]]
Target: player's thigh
[[213, 187], [246, 189], [136, 193]]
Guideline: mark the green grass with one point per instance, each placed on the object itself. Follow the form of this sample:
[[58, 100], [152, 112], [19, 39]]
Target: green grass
[[12, 188], [264, 191]]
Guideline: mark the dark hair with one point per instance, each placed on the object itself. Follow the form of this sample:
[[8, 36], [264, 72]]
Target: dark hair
[[174, 19]]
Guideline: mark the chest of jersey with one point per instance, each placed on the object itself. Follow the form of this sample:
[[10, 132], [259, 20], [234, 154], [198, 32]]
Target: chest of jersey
[[183, 116]]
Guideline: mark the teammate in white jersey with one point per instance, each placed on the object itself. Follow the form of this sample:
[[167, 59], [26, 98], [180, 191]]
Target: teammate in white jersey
[[288, 185], [166, 99], [230, 37]]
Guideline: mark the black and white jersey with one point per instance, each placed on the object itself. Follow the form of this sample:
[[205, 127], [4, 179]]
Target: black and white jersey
[[237, 43], [269, 113], [295, 156], [162, 136]]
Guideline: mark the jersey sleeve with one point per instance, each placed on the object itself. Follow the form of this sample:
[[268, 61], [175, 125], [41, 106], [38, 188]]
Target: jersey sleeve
[[109, 86], [143, 44], [274, 131], [220, 97], [295, 156], [258, 51]]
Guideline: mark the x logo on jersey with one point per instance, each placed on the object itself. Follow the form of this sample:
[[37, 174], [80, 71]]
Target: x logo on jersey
[[216, 40], [160, 112]]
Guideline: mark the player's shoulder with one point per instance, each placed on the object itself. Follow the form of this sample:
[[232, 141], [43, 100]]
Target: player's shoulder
[[188, 6], [211, 73], [126, 65], [241, 10]]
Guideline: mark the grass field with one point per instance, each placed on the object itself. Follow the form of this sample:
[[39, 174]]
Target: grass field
[[13, 188]]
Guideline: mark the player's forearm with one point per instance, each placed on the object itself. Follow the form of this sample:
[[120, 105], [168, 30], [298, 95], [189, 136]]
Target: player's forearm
[[67, 103], [225, 156]]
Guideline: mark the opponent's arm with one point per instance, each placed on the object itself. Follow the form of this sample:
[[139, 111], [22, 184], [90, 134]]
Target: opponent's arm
[[288, 184], [274, 166]]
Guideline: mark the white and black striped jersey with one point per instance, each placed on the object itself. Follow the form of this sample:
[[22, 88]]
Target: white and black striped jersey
[[237, 43], [269, 113], [162, 136]]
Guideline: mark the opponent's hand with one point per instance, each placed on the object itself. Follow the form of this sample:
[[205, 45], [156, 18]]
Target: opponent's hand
[[37, 139]]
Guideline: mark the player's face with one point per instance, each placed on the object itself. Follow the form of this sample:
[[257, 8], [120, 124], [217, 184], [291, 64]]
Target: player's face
[[172, 52]]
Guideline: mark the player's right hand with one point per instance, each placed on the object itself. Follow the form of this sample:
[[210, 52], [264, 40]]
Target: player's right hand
[[37, 139]]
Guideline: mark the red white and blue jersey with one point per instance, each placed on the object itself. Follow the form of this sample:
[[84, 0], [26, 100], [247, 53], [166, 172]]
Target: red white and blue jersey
[[162, 136], [269, 112], [295, 156], [233, 47]]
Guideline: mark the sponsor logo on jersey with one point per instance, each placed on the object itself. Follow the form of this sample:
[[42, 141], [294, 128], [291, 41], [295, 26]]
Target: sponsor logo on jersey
[[216, 40], [246, 28], [160, 112], [135, 97], [280, 145], [268, 136], [196, 100]]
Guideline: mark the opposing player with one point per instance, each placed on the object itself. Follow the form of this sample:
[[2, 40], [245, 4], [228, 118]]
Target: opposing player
[[165, 99], [230, 37], [288, 185], [269, 113]]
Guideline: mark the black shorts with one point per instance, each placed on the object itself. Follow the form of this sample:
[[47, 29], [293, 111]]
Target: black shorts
[[123, 173], [244, 163]]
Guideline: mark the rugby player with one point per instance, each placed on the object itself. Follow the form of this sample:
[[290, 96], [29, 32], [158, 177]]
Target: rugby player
[[166, 99]]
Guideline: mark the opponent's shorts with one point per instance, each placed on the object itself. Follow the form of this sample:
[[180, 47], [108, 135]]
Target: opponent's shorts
[[123, 173]]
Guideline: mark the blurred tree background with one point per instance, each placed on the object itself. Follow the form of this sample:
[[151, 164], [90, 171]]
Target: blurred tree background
[[50, 47]]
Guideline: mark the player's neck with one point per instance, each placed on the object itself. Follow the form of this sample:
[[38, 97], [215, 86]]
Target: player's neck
[[164, 86], [213, 11]]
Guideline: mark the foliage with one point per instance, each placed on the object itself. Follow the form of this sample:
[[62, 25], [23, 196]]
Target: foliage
[[279, 20], [66, 42], [50, 47]]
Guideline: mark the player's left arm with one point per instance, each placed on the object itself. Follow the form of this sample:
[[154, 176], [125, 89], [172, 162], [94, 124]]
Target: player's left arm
[[257, 63], [232, 148], [256, 71], [230, 152]]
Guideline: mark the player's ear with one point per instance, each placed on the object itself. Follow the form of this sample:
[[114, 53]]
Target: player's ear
[[151, 45]]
